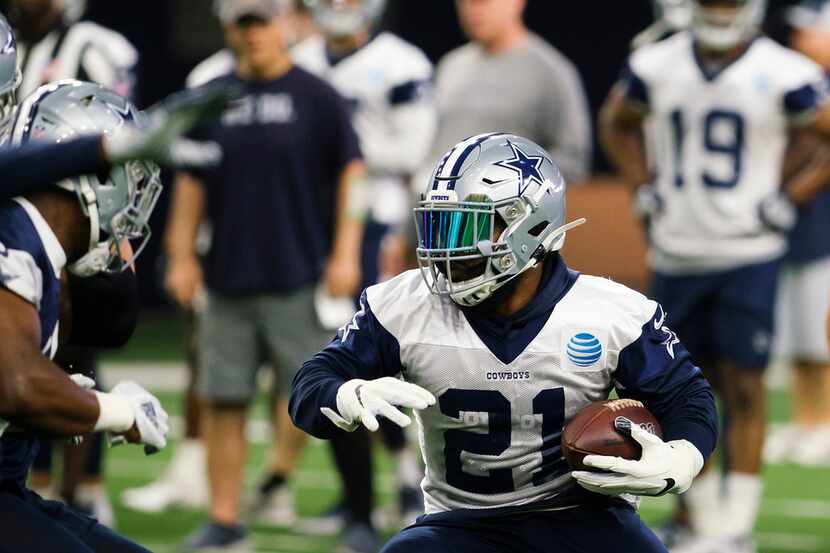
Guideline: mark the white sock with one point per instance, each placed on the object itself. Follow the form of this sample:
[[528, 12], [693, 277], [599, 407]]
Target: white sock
[[409, 471], [705, 502], [743, 497]]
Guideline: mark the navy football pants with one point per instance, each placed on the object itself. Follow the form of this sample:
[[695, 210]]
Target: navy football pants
[[30, 524], [613, 529]]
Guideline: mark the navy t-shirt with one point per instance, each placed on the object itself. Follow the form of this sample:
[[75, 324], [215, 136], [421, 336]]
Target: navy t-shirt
[[272, 201]]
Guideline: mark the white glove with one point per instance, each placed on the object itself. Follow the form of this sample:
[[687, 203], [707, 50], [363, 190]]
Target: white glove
[[360, 401], [150, 418], [664, 467], [162, 140], [778, 213], [647, 203], [83, 381]]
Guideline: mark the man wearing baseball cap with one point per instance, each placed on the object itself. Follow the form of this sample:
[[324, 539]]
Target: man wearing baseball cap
[[284, 216]]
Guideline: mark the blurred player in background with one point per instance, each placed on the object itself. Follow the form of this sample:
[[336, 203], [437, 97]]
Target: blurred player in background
[[493, 293], [511, 79], [804, 292], [79, 225], [184, 481], [389, 85], [718, 103], [284, 214], [53, 46]]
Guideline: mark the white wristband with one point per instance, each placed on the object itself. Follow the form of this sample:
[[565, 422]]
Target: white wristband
[[115, 413]]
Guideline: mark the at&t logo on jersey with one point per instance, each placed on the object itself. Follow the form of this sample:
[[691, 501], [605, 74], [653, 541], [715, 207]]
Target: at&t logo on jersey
[[584, 350]]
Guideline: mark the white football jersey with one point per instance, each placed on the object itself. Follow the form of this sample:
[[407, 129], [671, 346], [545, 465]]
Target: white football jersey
[[84, 51], [717, 143], [388, 82], [493, 438]]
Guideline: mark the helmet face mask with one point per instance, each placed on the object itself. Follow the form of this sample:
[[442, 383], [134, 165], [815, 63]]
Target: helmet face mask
[[494, 209], [724, 24], [341, 18], [118, 208]]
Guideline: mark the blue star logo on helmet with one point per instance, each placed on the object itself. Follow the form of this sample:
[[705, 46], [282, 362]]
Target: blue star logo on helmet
[[584, 349], [527, 167]]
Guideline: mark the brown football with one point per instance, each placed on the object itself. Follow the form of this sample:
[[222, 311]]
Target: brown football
[[592, 432]]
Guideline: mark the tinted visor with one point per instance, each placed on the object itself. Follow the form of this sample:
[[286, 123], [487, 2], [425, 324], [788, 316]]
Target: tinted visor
[[454, 227]]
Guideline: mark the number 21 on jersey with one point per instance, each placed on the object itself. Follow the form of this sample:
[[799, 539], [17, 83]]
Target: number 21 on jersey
[[550, 404]]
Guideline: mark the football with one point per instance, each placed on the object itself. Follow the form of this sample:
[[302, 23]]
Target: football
[[592, 431]]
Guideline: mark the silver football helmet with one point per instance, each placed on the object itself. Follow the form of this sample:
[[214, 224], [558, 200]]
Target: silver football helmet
[[669, 16], [118, 208], [345, 17], [718, 30], [10, 76], [494, 208]]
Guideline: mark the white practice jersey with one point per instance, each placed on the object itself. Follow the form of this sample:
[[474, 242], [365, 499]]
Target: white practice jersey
[[388, 82], [84, 51], [717, 143], [492, 440]]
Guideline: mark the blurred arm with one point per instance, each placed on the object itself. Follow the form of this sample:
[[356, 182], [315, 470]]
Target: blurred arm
[[34, 392], [34, 167], [807, 171], [184, 274], [621, 135], [343, 271]]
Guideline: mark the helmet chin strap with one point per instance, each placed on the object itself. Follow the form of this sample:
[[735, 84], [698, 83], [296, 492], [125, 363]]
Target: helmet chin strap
[[552, 242], [92, 261]]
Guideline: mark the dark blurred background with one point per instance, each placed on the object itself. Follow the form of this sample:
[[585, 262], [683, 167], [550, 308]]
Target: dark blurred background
[[172, 36]]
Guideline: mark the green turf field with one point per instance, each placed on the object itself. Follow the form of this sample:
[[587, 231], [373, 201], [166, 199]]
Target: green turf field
[[795, 515]]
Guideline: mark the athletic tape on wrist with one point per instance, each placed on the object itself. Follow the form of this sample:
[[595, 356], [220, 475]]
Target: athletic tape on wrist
[[115, 413]]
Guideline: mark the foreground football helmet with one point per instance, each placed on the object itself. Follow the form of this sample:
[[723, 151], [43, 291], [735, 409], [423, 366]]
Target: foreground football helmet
[[345, 17], [118, 208], [494, 208], [10, 76], [721, 32]]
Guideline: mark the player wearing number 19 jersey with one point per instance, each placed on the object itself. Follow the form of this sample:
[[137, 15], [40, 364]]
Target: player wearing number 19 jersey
[[717, 105], [497, 344]]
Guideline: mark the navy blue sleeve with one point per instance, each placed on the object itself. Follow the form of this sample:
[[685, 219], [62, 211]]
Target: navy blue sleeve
[[363, 349], [657, 370], [409, 92], [634, 86], [805, 98], [34, 167]]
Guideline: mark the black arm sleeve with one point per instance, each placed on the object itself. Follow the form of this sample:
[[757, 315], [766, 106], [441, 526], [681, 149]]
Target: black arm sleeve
[[35, 167]]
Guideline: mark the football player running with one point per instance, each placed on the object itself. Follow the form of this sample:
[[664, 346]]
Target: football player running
[[73, 225], [717, 105], [487, 343]]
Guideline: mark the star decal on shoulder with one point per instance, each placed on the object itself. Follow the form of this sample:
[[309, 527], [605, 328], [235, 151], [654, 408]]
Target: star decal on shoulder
[[527, 167]]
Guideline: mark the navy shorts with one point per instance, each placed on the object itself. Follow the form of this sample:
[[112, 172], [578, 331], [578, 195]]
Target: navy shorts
[[722, 316], [610, 529], [30, 523]]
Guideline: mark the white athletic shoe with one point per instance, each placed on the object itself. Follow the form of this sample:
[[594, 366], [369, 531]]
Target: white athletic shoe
[[275, 508], [93, 498], [183, 483], [813, 448], [779, 444]]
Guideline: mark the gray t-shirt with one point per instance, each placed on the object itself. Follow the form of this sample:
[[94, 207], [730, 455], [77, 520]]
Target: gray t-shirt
[[531, 90]]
